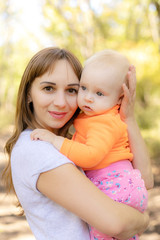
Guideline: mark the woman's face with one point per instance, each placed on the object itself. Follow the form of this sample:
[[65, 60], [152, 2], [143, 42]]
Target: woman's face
[[54, 96]]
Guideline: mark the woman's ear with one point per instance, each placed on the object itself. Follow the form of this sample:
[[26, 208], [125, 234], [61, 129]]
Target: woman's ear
[[29, 99]]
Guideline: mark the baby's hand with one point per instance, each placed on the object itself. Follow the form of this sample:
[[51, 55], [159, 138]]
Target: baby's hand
[[46, 135], [43, 135]]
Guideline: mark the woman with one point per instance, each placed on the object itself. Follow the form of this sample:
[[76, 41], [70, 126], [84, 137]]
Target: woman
[[54, 194]]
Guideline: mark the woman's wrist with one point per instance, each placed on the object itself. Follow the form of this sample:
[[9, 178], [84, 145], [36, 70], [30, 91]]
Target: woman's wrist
[[131, 119]]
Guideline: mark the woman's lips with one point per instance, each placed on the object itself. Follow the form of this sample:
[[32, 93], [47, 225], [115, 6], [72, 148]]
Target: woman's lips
[[57, 115]]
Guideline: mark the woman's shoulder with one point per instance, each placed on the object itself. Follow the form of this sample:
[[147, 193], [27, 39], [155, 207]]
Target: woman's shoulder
[[27, 148], [24, 141], [35, 156]]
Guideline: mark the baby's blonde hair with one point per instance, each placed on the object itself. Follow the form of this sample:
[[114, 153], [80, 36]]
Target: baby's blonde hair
[[107, 55], [108, 58]]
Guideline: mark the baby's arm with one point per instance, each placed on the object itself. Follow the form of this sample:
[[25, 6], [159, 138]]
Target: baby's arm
[[97, 145], [101, 134], [46, 135]]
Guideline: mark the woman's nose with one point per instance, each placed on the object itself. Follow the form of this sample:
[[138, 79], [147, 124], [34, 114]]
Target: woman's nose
[[60, 99]]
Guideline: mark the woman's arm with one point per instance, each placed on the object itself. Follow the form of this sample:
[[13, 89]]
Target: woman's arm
[[141, 159], [71, 189]]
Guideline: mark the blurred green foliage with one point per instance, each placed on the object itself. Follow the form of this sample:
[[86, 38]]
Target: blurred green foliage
[[85, 27]]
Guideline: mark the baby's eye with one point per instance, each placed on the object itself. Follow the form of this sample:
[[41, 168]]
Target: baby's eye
[[83, 88], [100, 94], [72, 90], [48, 88]]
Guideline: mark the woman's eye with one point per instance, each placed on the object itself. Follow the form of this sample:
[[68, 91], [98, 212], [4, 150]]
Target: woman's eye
[[72, 90], [48, 89], [83, 88], [100, 94]]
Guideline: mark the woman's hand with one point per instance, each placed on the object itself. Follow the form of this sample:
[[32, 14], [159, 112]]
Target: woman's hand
[[128, 101], [146, 223]]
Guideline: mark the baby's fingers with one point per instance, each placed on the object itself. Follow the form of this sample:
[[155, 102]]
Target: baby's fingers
[[34, 135]]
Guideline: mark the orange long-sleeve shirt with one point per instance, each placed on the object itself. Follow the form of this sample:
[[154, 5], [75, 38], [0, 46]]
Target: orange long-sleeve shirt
[[98, 141]]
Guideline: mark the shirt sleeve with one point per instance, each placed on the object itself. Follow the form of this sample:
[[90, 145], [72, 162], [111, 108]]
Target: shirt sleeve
[[101, 137], [31, 158]]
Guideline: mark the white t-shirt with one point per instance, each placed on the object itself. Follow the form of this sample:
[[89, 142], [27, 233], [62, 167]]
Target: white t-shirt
[[47, 220]]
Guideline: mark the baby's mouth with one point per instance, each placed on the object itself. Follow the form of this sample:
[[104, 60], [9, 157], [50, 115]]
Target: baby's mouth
[[87, 108]]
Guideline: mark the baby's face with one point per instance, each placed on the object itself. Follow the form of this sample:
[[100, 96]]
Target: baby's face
[[100, 89]]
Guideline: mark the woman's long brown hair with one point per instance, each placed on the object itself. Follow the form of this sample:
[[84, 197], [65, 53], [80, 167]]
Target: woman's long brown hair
[[40, 63]]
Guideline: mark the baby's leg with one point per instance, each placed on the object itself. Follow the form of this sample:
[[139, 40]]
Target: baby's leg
[[95, 235], [136, 237], [123, 184], [126, 187]]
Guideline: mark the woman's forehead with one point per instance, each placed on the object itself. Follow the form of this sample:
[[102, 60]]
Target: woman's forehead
[[62, 73]]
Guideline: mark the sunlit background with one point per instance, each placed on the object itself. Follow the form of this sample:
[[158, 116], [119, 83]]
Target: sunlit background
[[84, 27]]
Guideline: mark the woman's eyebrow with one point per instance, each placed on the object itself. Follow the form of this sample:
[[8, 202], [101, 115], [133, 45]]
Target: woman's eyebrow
[[73, 84], [48, 83], [51, 83]]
